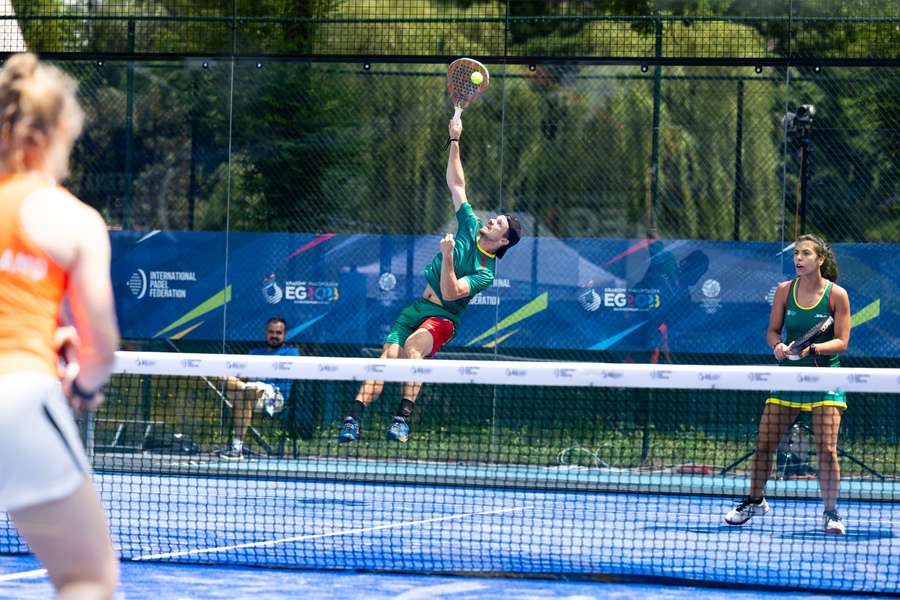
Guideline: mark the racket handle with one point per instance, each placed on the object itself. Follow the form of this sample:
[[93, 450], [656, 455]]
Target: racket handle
[[791, 353], [457, 113]]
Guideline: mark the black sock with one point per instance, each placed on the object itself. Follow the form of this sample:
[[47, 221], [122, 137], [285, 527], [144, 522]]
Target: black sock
[[406, 408], [356, 409]]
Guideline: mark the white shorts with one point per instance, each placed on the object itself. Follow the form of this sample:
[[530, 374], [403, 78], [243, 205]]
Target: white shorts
[[41, 455]]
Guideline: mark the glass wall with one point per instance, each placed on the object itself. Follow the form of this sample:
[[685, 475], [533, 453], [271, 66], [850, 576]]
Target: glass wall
[[658, 202]]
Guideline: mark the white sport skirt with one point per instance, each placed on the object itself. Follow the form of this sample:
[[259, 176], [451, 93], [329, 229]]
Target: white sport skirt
[[41, 455]]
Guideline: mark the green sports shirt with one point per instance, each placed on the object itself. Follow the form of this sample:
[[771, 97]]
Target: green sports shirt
[[797, 321], [800, 319], [470, 261]]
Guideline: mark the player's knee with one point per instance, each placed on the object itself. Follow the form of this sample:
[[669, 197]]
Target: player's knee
[[412, 352], [85, 590], [101, 584], [111, 579], [108, 576], [827, 452]]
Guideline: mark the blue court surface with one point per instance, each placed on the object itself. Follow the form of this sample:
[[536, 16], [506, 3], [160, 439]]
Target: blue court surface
[[153, 581], [331, 530]]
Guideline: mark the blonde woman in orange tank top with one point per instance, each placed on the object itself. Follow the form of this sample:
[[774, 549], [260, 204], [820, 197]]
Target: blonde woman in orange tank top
[[53, 249]]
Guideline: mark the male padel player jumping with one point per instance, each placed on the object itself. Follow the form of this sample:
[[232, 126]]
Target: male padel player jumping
[[464, 267]]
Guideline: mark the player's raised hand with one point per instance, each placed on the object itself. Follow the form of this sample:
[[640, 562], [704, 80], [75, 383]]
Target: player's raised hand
[[447, 245], [67, 344]]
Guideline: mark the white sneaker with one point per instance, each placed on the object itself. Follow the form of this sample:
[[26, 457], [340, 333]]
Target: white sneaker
[[746, 510], [833, 523]]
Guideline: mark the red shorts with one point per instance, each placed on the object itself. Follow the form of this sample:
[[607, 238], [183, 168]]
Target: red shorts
[[441, 330]]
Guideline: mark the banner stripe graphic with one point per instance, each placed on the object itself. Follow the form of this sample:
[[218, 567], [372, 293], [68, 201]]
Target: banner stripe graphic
[[184, 332], [302, 327], [639, 246], [501, 339], [866, 313], [608, 342], [315, 242], [530, 309], [212, 303]]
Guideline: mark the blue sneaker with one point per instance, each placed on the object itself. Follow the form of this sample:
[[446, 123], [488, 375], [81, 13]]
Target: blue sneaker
[[349, 431], [398, 431]]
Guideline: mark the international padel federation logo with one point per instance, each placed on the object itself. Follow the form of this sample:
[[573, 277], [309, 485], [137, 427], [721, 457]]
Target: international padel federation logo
[[137, 283]]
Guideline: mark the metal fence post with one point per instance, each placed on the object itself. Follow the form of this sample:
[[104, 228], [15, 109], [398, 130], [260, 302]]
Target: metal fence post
[[654, 158], [739, 162], [129, 132]]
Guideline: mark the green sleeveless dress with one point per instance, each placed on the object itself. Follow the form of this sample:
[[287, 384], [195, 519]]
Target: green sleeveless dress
[[798, 320]]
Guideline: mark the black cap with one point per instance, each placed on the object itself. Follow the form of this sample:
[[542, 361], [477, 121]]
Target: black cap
[[513, 234]]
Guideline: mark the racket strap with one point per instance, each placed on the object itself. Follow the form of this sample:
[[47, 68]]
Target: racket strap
[[449, 140]]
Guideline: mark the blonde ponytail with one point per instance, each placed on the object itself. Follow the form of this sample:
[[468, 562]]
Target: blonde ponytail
[[35, 98]]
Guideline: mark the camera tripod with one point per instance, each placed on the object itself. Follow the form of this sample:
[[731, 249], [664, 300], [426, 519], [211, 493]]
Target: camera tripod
[[799, 124], [795, 426]]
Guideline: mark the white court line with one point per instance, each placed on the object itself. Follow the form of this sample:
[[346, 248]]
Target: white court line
[[24, 575], [316, 536], [434, 591]]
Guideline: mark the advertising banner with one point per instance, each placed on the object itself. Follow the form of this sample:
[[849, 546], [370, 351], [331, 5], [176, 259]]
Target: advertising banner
[[624, 295]]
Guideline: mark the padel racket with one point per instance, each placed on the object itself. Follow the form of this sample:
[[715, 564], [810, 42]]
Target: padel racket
[[463, 86], [808, 338]]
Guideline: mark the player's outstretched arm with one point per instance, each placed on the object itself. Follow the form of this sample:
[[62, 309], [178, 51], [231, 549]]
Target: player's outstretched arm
[[456, 179]]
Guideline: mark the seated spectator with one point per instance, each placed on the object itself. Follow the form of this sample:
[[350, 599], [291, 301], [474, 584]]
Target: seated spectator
[[267, 395]]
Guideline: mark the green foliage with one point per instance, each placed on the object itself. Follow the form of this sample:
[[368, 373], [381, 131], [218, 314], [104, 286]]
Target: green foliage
[[853, 160], [318, 146], [698, 137], [48, 36]]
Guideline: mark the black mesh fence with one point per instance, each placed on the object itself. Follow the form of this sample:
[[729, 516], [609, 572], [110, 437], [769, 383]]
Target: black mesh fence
[[577, 151], [347, 147], [604, 121], [520, 29]]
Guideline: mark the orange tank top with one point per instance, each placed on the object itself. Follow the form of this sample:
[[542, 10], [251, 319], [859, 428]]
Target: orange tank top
[[32, 286]]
